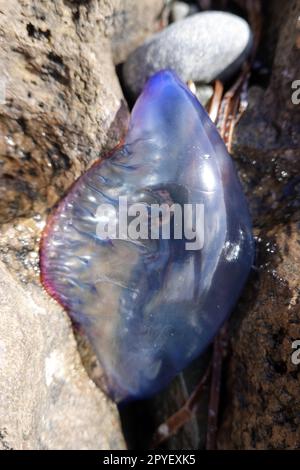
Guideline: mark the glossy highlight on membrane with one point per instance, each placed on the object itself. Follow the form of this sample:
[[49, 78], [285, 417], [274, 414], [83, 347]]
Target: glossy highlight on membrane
[[149, 307]]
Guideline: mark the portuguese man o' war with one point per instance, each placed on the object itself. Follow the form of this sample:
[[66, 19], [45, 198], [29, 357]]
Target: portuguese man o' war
[[150, 306]]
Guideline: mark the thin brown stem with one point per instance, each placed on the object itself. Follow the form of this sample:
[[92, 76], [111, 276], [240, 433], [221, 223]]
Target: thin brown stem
[[175, 422], [216, 100]]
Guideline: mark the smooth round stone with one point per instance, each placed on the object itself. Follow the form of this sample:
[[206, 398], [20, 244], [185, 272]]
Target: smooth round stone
[[201, 48], [181, 10], [204, 93]]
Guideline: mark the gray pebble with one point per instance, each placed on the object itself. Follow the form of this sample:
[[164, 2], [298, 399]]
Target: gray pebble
[[201, 48], [204, 93], [181, 10]]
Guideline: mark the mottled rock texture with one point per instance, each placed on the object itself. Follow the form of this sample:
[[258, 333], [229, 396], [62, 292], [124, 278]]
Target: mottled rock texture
[[63, 103], [47, 400], [131, 22], [262, 399]]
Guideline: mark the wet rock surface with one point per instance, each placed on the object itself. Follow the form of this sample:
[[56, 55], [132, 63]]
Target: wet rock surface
[[262, 395], [192, 47], [47, 399], [63, 102], [263, 385]]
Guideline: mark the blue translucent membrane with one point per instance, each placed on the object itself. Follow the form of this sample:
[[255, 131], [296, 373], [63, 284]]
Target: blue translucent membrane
[[150, 307]]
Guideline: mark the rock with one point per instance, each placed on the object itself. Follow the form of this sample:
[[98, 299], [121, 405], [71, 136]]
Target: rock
[[131, 22], [262, 409], [63, 103], [204, 93], [273, 119], [275, 13], [201, 48], [278, 101], [47, 399], [263, 385], [181, 10]]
